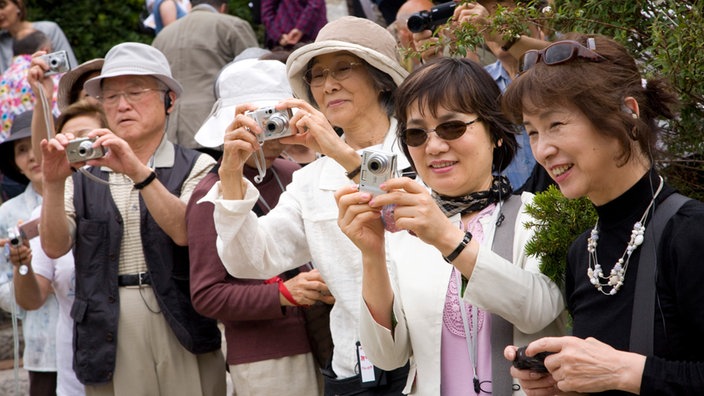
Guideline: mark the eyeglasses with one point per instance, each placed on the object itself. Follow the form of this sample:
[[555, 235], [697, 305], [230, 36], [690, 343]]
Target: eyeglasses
[[449, 130], [317, 75], [558, 53], [111, 98]]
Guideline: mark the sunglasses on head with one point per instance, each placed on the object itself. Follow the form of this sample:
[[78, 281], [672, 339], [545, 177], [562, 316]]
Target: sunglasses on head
[[558, 53], [449, 130]]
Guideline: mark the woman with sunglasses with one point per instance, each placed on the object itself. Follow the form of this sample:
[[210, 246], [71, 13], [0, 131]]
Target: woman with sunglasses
[[348, 75], [456, 286], [632, 282]]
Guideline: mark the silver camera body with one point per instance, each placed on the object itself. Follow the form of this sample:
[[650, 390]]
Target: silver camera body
[[81, 149], [15, 236], [57, 61], [377, 167], [274, 123]]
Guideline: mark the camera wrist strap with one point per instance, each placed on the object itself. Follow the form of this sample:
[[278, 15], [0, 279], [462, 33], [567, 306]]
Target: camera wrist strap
[[471, 337]]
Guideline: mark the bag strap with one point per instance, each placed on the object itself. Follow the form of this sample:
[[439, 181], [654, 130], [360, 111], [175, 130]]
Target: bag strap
[[501, 329], [643, 316]]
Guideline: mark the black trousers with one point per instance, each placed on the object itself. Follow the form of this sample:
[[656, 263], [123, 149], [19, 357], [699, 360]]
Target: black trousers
[[352, 386]]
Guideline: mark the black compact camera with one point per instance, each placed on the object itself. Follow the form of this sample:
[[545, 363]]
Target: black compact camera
[[535, 363], [57, 61], [429, 20], [81, 149], [274, 123], [377, 167]]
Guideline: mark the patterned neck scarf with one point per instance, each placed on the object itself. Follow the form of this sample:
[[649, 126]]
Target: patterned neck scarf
[[476, 201]]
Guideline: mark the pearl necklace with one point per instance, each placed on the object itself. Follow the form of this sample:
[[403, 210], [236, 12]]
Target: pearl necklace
[[618, 273]]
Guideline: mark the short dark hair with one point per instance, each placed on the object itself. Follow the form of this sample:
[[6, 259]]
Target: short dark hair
[[30, 43], [462, 85], [598, 90]]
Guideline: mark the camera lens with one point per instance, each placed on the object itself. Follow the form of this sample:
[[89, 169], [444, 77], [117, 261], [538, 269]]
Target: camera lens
[[276, 124], [53, 63], [377, 164], [85, 149]]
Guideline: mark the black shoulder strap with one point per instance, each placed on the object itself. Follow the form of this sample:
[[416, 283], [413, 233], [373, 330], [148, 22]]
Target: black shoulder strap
[[643, 317], [501, 329]]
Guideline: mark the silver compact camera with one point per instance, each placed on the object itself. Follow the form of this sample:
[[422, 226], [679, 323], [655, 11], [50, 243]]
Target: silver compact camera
[[81, 149], [274, 123], [377, 167], [57, 61], [15, 236]]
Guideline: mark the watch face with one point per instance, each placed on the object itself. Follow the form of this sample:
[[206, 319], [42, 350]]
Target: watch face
[[23, 270]]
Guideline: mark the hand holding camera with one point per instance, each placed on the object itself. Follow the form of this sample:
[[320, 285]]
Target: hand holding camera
[[535, 363], [57, 62], [274, 123], [81, 150]]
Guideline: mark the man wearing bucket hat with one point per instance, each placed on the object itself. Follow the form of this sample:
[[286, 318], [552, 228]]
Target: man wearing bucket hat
[[136, 331], [255, 312], [349, 75], [38, 327]]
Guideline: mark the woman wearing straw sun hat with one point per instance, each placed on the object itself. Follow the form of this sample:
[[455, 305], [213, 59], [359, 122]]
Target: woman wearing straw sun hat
[[345, 79]]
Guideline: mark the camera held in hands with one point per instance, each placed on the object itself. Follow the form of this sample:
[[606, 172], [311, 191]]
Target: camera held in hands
[[57, 61], [274, 123], [14, 234], [81, 149], [377, 167], [534, 363], [429, 20]]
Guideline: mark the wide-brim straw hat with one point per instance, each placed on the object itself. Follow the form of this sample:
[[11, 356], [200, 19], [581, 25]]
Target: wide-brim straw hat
[[259, 82], [134, 59], [358, 36], [69, 79]]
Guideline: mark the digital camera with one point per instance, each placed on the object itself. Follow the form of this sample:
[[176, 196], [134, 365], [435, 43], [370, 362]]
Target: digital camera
[[377, 167], [535, 363], [81, 149], [429, 20], [274, 123], [57, 61], [15, 236]]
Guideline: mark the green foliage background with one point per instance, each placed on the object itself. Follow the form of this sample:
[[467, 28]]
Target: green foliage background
[[93, 27]]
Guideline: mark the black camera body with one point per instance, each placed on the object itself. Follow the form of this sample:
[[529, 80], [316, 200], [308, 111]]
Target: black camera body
[[429, 20], [535, 363]]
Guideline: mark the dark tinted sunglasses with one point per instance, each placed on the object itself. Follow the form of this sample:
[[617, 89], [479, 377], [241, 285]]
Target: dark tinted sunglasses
[[558, 53], [449, 130]]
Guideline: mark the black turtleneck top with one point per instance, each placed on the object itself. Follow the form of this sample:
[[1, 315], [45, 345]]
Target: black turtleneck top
[[678, 365]]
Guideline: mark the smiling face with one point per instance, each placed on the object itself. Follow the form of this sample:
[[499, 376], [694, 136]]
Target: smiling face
[[9, 15], [582, 161], [452, 167], [140, 119], [345, 102]]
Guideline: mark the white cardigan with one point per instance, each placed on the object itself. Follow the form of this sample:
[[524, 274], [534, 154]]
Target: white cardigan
[[301, 228], [517, 291]]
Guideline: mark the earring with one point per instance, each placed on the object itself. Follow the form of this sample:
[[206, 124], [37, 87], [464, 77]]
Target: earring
[[634, 115]]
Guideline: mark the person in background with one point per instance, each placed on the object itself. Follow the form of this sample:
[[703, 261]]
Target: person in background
[[13, 20], [455, 318], [166, 12], [46, 277], [135, 329], [39, 326], [400, 28], [633, 283], [348, 77], [198, 46], [255, 312], [289, 22]]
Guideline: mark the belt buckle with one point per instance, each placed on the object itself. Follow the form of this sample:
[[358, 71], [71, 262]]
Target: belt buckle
[[140, 277]]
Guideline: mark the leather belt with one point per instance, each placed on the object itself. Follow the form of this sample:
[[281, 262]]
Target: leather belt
[[139, 279]]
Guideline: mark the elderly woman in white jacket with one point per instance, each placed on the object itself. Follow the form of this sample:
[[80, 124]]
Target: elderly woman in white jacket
[[454, 288]]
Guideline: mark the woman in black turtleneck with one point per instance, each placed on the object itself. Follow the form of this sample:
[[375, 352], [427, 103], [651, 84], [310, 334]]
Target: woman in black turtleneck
[[592, 123]]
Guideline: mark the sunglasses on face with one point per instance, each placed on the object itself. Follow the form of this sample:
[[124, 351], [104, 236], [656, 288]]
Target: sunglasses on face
[[450, 130], [316, 75], [557, 53]]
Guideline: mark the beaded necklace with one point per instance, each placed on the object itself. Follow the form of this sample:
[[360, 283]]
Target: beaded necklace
[[618, 273]]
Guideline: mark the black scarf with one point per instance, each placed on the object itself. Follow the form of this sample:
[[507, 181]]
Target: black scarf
[[500, 190]]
